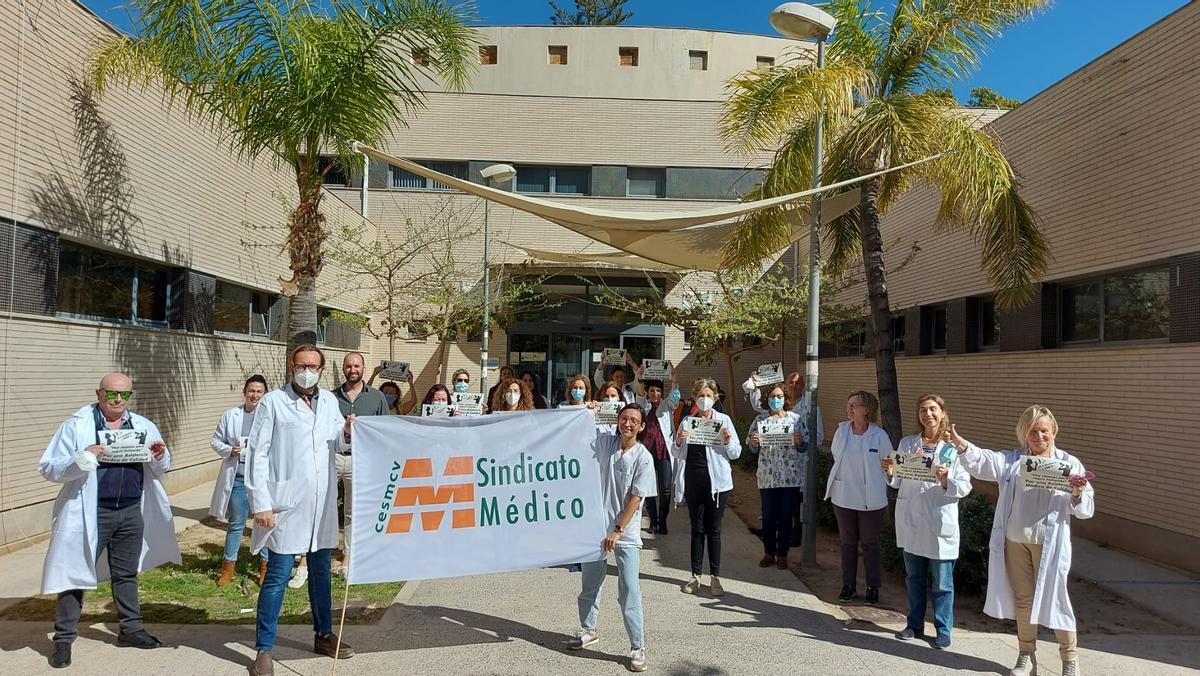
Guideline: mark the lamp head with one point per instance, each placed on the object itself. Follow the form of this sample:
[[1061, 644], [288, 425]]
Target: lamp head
[[802, 21], [498, 173]]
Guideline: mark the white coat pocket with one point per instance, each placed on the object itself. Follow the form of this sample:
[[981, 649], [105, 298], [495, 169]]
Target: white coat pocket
[[281, 496]]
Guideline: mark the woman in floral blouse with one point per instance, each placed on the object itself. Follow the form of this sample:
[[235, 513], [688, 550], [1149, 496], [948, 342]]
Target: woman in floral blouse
[[780, 472]]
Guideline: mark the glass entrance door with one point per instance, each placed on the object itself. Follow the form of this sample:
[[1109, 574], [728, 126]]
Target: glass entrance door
[[566, 359]]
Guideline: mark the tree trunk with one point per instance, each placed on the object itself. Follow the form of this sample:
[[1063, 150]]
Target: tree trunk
[[881, 315], [302, 313], [306, 235], [443, 360], [731, 394]]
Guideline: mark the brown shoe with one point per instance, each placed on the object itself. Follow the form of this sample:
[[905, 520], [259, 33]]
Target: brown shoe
[[328, 645], [263, 665], [781, 562], [766, 561], [227, 573], [262, 572]]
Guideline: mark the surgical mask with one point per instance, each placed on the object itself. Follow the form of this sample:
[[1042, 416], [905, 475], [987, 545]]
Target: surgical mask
[[391, 399], [612, 399], [675, 396], [577, 394], [776, 403], [704, 403], [512, 398], [462, 386], [305, 379]]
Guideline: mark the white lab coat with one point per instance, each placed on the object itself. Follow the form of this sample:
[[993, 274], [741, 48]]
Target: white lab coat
[[841, 488], [74, 538], [926, 513], [720, 475], [1051, 605], [223, 440], [800, 408], [290, 471]]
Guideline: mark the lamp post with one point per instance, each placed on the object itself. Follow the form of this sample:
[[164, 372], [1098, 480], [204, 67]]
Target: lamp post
[[801, 21], [496, 174]]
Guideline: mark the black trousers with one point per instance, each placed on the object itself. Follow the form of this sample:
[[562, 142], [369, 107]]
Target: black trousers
[[705, 514], [120, 537], [657, 508]]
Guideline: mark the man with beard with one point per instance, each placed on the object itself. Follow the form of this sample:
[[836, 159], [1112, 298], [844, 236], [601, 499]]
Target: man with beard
[[354, 397]]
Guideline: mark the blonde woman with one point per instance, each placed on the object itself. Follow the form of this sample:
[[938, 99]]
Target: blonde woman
[[927, 522], [1029, 554], [858, 489], [578, 392], [704, 479], [512, 395]]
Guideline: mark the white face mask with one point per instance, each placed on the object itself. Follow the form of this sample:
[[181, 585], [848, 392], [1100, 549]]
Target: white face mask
[[305, 379], [512, 398], [704, 403], [612, 399]]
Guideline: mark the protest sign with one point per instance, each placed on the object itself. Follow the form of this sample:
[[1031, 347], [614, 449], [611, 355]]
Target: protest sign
[[443, 497], [467, 403], [1046, 473], [606, 412], [128, 445], [614, 356], [704, 431], [776, 434], [656, 369], [769, 374], [435, 410], [913, 467], [395, 370]]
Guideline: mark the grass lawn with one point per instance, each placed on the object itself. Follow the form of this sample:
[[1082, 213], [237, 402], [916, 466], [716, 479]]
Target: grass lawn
[[188, 594]]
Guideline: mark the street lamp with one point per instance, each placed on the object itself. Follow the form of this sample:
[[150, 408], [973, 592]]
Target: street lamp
[[496, 174], [801, 21]]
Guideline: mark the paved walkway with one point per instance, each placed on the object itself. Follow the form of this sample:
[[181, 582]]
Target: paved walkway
[[516, 623]]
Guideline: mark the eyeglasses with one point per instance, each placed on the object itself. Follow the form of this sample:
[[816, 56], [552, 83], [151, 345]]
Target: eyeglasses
[[123, 394]]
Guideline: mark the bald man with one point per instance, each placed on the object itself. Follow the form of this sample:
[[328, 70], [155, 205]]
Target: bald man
[[111, 519]]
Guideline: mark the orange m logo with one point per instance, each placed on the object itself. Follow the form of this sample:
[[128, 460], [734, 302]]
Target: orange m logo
[[445, 494]]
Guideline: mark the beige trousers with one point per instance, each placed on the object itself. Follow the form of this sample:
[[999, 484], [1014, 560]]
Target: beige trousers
[[1022, 561]]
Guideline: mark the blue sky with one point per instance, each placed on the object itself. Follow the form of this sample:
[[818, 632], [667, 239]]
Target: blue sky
[[1029, 58]]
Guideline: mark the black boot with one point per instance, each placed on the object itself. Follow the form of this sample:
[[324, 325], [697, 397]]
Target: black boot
[[62, 655]]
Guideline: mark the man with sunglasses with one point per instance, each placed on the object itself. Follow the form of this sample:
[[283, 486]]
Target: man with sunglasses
[[111, 519]]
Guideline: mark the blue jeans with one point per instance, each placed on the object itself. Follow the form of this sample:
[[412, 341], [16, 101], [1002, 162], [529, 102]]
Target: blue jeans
[[239, 507], [270, 597], [777, 507], [629, 593], [919, 569]]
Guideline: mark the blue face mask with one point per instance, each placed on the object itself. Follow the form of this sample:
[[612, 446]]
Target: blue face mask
[[461, 386], [776, 403], [577, 394], [675, 396], [391, 399]]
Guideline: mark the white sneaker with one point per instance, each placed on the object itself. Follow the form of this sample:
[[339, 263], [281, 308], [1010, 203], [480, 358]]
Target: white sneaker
[[1026, 665], [582, 639], [300, 578], [691, 586], [1071, 668], [714, 586], [637, 659]]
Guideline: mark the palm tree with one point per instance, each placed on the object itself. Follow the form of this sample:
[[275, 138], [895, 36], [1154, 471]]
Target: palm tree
[[883, 106], [290, 80]]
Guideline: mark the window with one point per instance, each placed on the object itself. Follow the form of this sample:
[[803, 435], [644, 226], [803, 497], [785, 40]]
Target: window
[[488, 55], [554, 180], [989, 325], [420, 56], [237, 309], [936, 326], [103, 285], [847, 339], [404, 179], [1124, 306], [557, 55], [628, 56], [698, 60], [898, 334], [645, 182], [764, 62], [335, 174], [333, 332]]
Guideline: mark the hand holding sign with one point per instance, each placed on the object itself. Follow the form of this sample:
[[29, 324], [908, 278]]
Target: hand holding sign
[[394, 370], [655, 369], [705, 431], [127, 446], [769, 374], [613, 356]]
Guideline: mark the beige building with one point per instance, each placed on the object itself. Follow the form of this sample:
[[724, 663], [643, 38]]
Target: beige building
[[1109, 157]]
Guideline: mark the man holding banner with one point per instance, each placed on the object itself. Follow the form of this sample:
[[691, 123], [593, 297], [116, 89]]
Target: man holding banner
[[292, 487]]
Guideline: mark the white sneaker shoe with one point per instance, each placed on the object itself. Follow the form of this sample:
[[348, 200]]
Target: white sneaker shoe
[[691, 586], [300, 578], [582, 639], [1071, 668], [1026, 665], [637, 659]]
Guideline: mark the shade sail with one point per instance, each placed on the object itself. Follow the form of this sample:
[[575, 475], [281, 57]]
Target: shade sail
[[585, 258]]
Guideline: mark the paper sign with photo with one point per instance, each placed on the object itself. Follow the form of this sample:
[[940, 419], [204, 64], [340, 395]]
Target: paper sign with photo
[[656, 369], [769, 374], [395, 370], [606, 412], [467, 403], [437, 410], [705, 431], [1046, 473], [913, 467], [125, 445], [614, 356], [776, 433]]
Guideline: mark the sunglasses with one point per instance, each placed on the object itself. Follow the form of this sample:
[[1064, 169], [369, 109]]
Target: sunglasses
[[123, 394], [462, 380]]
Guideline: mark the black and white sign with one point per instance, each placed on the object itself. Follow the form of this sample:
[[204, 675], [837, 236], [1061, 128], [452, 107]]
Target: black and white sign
[[606, 412], [435, 410], [776, 434], [769, 374], [395, 370], [705, 431], [913, 466], [614, 356], [1046, 473], [125, 445], [467, 403], [656, 369]]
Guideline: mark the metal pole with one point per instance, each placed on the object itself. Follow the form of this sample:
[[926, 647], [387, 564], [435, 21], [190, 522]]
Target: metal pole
[[809, 552], [487, 304]]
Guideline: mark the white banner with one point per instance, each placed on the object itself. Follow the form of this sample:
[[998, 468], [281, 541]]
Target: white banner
[[443, 497]]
